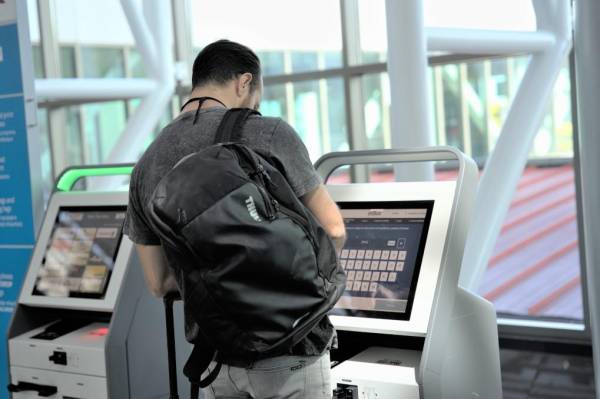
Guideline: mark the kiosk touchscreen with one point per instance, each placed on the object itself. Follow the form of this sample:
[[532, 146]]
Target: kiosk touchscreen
[[392, 255], [85, 325], [382, 257], [81, 253]]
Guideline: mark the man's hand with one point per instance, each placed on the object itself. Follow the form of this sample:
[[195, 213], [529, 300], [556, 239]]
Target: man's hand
[[320, 203], [159, 276]]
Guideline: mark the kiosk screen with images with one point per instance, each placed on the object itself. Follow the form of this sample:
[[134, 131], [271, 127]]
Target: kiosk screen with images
[[81, 252], [382, 257]]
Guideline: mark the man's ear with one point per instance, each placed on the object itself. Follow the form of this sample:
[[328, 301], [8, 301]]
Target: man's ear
[[243, 84]]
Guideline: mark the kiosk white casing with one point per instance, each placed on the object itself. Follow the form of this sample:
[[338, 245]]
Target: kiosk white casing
[[460, 354], [119, 351]]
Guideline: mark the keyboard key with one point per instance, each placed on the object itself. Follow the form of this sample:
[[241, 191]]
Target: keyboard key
[[377, 254], [369, 254], [383, 276], [367, 276], [401, 255], [383, 265], [366, 264], [351, 275], [375, 276], [360, 254], [365, 286], [399, 266], [393, 255], [350, 264], [391, 266], [344, 253], [359, 275], [352, 254], [392, 277], [343, 263], [375, 265], [358, 264], [349, 284], [356, 286], [373, 287], [385, 255]]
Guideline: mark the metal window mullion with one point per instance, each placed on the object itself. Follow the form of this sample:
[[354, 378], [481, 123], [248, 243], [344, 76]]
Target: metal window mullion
[[440, 112], [182, 30], [351, 54], [578, 195], [464, 109]]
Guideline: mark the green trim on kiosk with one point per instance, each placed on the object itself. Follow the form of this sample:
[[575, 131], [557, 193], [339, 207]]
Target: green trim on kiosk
[[70, 176]]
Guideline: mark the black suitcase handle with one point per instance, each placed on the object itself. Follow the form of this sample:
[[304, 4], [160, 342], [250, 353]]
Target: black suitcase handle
[[170, 325]]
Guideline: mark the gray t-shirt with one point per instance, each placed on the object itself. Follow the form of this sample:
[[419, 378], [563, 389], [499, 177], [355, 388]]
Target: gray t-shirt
[[272, 138]]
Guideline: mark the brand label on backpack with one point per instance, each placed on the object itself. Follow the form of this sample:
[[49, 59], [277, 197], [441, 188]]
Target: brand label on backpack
[[252, 209]]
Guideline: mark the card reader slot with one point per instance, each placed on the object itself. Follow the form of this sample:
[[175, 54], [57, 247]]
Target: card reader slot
[[42, 390], [60, 328]]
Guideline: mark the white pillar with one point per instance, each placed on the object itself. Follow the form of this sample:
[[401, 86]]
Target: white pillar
[[407, 69]]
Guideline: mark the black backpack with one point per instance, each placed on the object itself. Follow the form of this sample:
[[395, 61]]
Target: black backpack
[[262, 272]]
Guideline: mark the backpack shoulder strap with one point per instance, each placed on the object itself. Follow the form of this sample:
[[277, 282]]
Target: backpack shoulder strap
[[230, 128]]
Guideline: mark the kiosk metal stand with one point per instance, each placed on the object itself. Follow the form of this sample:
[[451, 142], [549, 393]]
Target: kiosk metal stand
[[440, 340]]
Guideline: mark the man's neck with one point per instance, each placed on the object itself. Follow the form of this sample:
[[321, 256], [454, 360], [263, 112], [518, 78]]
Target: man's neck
[[207, 92]]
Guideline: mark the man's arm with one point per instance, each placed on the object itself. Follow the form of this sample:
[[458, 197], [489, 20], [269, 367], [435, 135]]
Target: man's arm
[[159, 276], [320, 203]]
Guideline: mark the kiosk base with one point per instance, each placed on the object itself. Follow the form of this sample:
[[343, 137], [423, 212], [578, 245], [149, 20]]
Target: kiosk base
[[382, 373]]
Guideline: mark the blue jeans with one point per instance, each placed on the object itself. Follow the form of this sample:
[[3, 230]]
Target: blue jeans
[[290, 377]]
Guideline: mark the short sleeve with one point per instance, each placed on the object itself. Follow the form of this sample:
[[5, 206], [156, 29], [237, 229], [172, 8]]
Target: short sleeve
[[136, 226], [292, 158]]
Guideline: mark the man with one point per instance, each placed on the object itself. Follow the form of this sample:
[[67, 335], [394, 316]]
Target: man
[[229, 73]]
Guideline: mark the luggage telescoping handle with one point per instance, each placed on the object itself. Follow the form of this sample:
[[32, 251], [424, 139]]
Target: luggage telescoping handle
[[170, 325], [72, 175]]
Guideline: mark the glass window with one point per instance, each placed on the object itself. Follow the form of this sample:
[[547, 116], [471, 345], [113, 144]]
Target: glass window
[[309, 41], [375, 89], [135, 64], [103, 123], [75, 149], [102, 62], [373, 31], [92, 23], [68, 67], [34, 21], [483, 14], [38, 62], [45, 151], [315, 109]]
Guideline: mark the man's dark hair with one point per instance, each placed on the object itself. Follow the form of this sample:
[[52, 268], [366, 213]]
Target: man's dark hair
[[223, 60]]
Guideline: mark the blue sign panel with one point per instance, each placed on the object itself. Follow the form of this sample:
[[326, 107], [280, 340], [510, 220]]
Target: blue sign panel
[[11, 278], [17, 233], [10, 61], [16, 216]]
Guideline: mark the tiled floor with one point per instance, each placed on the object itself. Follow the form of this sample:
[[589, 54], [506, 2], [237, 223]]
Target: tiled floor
[[536, 375]]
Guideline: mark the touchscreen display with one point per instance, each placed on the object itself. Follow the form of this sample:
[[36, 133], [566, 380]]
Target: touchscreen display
[[81, 252], [382, 257]]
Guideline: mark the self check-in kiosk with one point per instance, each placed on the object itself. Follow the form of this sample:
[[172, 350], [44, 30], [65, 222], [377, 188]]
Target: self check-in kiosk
[[414, 332], [85, 325]]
